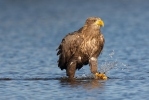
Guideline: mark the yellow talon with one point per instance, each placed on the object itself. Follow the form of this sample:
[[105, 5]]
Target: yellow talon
[[101, 76]]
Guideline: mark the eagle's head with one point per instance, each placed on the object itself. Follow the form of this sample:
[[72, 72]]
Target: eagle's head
[[94, 22]]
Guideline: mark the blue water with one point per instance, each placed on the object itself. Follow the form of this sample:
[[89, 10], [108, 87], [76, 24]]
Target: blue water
[[31, 30]]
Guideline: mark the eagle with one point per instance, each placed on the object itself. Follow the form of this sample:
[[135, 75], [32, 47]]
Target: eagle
[[82, 47]]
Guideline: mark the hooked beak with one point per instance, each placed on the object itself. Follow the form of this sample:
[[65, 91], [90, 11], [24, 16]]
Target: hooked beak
[[100, 23]]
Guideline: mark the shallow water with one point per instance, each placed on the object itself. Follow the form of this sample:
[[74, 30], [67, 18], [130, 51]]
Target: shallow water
[[31, 30]]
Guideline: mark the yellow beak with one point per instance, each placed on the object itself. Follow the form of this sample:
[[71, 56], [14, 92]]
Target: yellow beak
[[100, 23]]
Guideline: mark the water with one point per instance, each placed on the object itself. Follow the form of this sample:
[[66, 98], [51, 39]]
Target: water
[[31, 30]]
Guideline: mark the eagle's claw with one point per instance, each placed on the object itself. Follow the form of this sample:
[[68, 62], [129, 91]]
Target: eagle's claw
[[101, 76]]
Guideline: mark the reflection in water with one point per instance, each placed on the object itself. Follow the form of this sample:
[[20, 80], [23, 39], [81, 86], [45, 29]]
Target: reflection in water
[[87, 84], [93, 84]]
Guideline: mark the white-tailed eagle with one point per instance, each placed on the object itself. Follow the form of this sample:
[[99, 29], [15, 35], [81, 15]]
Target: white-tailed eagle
[[82, 47]]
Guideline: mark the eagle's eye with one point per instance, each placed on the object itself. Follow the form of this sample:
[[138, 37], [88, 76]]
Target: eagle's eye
[[94, 20]]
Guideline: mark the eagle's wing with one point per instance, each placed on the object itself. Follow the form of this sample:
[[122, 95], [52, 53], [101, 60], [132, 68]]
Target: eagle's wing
[[68, 48]]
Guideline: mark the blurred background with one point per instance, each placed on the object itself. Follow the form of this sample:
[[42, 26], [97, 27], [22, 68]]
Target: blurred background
[[31, 30]]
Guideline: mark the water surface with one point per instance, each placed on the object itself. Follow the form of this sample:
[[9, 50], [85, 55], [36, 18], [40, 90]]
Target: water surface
[[31, 30]]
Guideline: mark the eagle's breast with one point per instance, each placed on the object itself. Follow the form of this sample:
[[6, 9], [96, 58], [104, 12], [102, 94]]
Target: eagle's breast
[[90, 46]]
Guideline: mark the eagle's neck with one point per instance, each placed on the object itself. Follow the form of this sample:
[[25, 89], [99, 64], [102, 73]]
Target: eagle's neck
[[91, 39], [89, 31]]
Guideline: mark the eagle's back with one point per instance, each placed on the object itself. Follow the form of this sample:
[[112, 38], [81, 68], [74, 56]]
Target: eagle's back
[[68, 48]]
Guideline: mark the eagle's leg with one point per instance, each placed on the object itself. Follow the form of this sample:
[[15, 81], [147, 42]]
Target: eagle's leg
[[93, 65], [71, 68]]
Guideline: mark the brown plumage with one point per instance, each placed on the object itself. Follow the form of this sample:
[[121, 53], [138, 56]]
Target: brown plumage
[[81, 47]]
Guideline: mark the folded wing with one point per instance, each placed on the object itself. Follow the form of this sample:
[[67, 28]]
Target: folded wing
[[68, 48]]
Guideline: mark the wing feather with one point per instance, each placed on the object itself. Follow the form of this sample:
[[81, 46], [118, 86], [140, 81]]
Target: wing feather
[[67, 48]]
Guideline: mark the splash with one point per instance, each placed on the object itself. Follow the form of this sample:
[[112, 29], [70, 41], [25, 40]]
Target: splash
[[106, 66], [112, 63]]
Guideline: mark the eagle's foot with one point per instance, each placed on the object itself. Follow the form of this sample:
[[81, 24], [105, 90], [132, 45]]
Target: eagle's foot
[[101, 76]]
